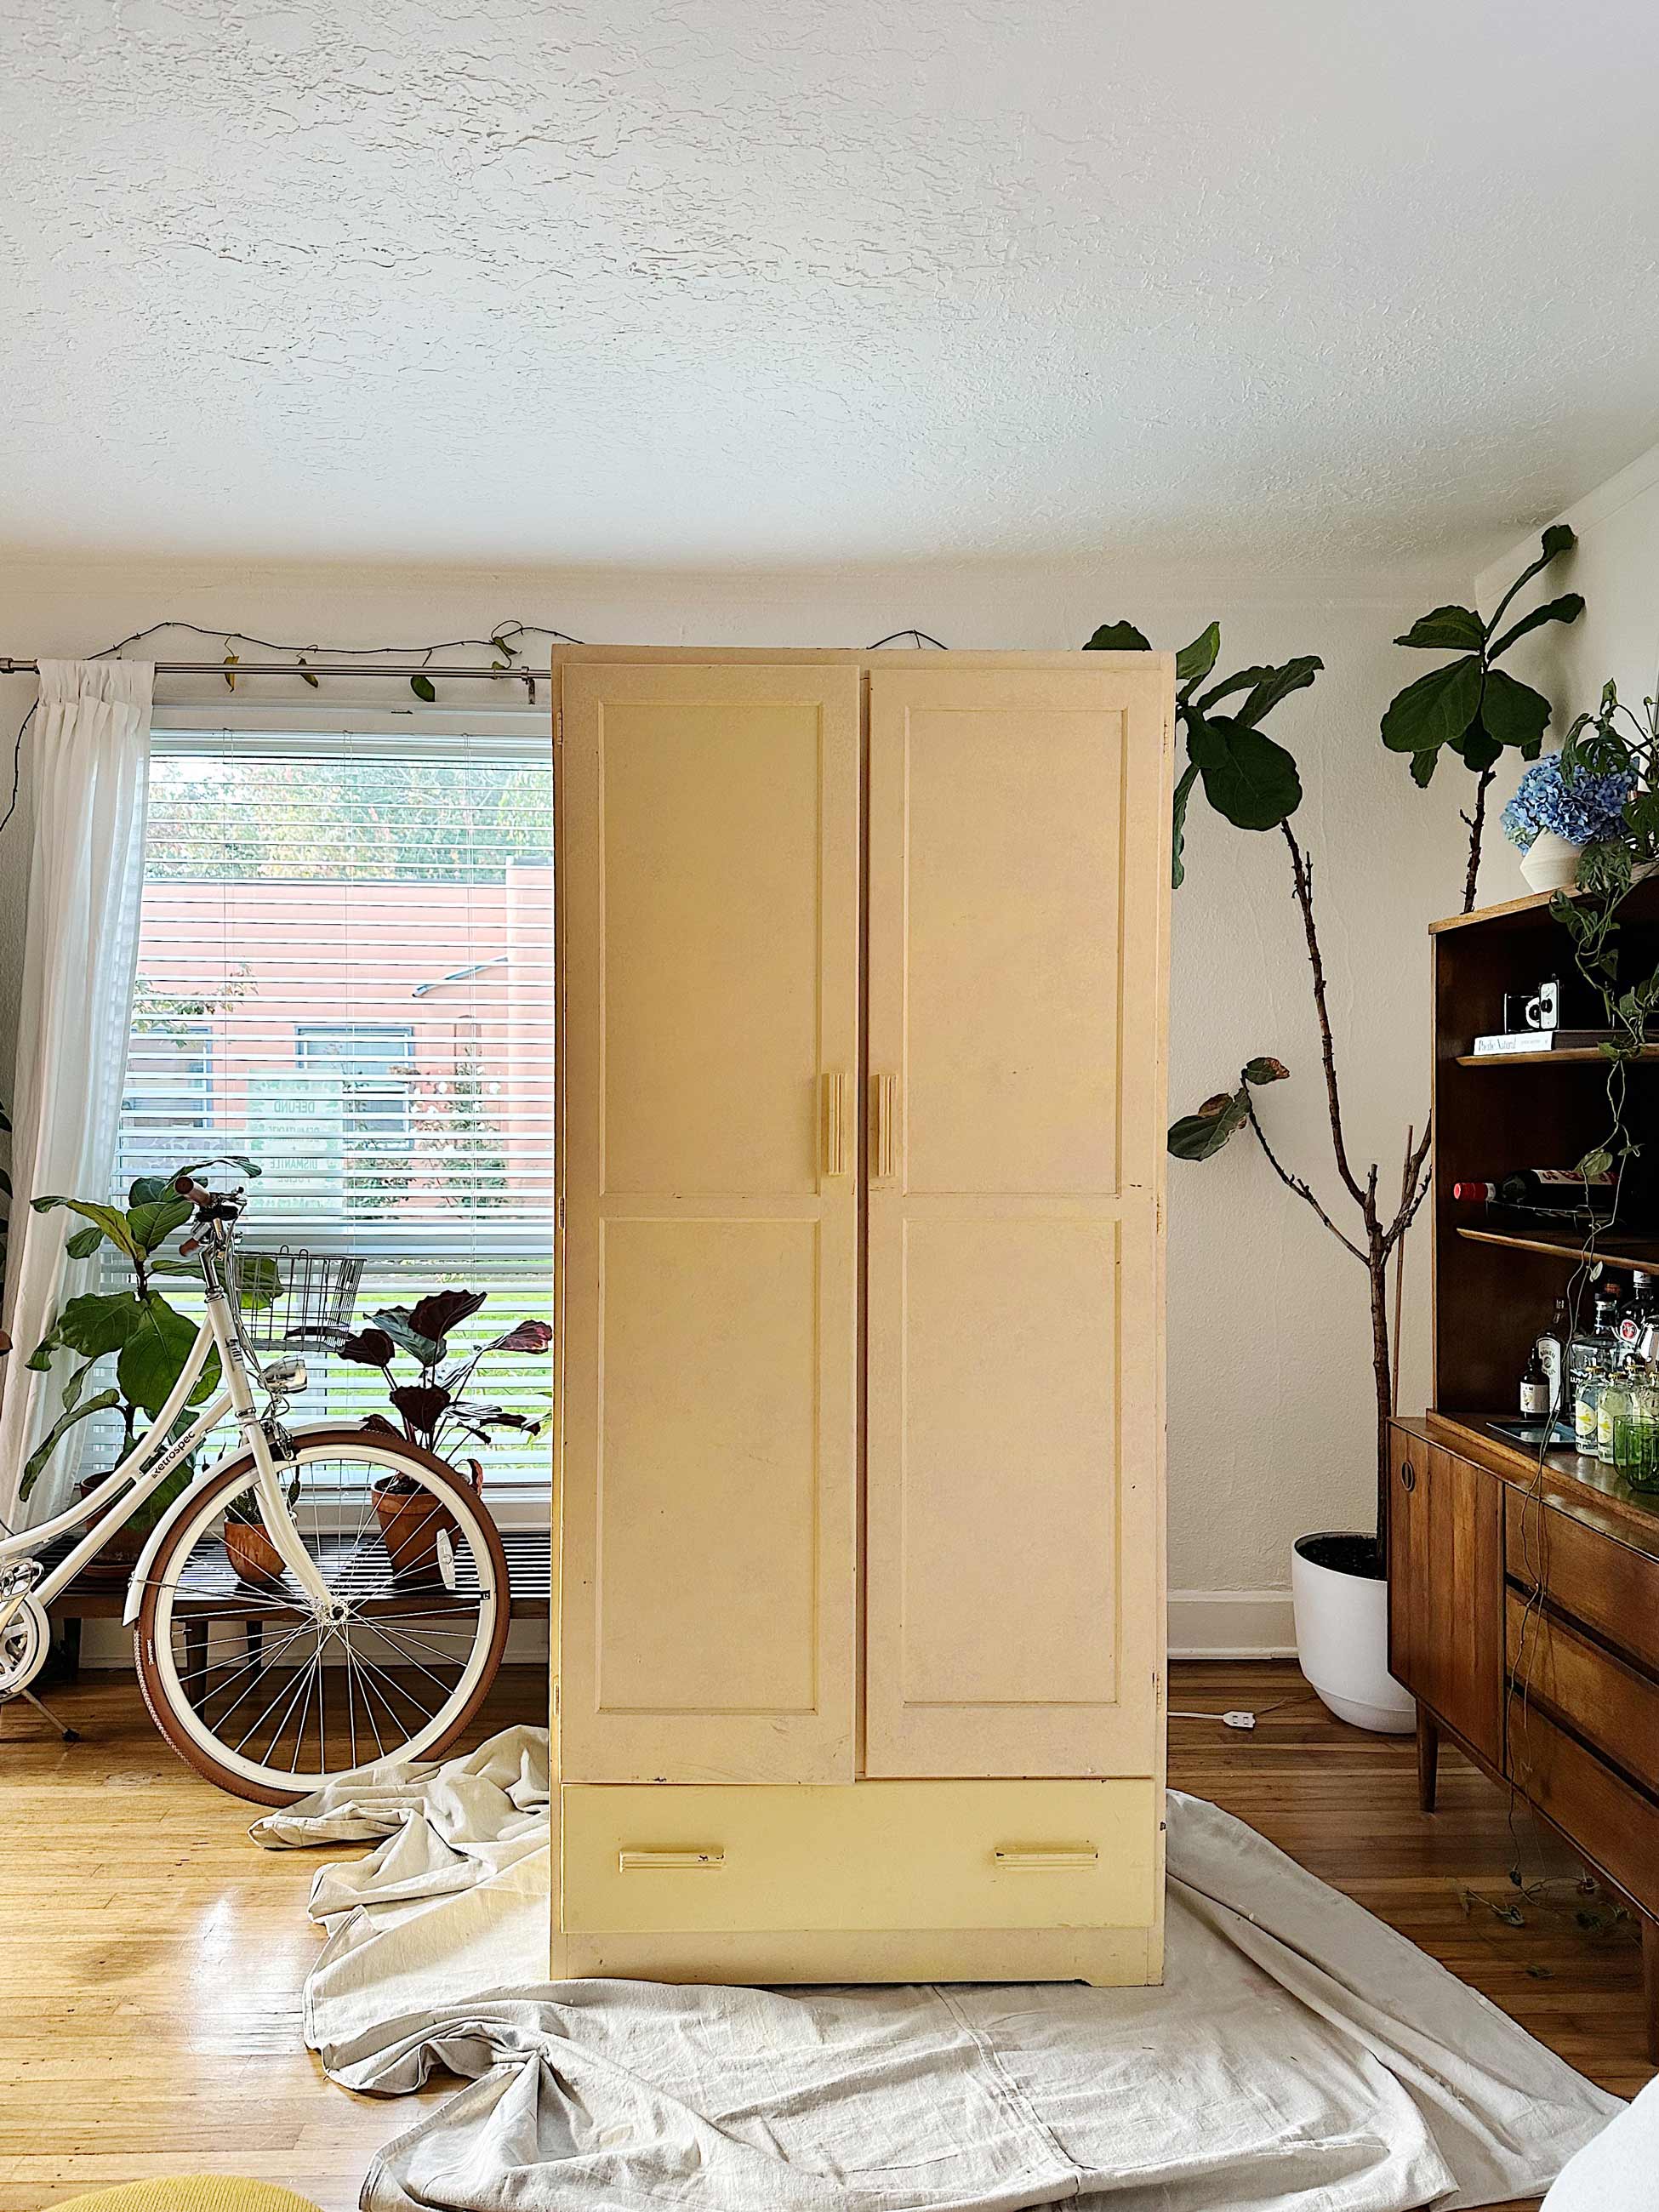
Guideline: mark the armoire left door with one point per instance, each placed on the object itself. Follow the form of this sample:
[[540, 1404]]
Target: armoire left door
[[710, 899]]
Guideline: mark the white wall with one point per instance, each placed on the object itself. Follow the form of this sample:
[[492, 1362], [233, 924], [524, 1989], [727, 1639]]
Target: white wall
[[1270, 1425], [1616, 567]]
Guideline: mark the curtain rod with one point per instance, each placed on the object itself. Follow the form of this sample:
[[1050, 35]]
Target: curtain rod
[[435, 670]]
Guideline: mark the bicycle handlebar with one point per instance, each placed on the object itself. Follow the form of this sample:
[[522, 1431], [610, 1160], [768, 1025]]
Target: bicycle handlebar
[[210, 1204]]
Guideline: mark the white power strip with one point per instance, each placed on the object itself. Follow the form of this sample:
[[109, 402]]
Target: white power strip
[[1234, 1720]]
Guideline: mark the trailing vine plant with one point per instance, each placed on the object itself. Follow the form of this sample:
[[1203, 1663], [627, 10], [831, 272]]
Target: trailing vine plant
[[1613, 742]]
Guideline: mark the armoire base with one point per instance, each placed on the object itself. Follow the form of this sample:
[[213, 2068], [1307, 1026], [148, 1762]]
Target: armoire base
[[1109, 1957]]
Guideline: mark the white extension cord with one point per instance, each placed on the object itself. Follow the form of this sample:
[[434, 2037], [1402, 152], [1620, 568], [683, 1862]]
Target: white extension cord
[[1235, 1720]]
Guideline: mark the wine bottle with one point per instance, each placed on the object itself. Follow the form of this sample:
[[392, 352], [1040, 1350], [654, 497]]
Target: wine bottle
[[1546, 1190]]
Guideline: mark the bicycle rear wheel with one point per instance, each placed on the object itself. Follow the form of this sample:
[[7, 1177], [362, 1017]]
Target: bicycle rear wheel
[[269, 1697]]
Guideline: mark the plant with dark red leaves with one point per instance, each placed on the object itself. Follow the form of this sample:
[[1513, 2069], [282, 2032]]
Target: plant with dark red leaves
[[435, 1410]]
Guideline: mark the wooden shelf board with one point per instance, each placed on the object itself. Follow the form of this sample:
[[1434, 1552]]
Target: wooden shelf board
[[1567, 1245], [1580, 1053]]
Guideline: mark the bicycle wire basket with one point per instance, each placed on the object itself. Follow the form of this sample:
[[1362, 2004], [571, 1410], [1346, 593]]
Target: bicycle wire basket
[[293, 1300]]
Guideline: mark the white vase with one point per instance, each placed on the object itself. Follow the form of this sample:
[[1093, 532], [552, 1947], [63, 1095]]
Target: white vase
[[1550, 863], [1342, 1639]]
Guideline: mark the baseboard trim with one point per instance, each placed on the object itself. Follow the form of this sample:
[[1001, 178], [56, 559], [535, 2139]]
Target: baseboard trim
[[1231, 1625]]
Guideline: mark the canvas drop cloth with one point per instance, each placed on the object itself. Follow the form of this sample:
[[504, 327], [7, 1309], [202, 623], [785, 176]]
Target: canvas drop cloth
[[1299, 2053]]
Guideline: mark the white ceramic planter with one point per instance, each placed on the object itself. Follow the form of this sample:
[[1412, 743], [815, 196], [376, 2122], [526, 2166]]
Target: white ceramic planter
[[1342, 1643], [1550, 863]]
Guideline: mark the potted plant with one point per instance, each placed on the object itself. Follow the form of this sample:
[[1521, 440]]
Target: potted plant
[[433, 1411], [1557, 811], [148, 1339], [1338, 1582]]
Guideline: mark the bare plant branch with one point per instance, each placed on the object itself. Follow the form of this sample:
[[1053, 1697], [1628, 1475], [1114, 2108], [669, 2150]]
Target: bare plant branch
[[1295, 1183], [1476, 828], [1302, 879]]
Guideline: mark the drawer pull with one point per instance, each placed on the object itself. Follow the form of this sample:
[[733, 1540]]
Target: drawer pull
[[1035, 1858], [1408, 1475], [669, 1861]]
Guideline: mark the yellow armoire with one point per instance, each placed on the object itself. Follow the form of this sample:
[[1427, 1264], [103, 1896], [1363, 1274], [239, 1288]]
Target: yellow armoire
[[859, 1647]]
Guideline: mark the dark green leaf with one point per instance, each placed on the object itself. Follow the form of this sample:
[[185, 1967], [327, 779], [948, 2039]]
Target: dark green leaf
[[1266, 1071], [152, 1225], [1183, 792], [1118, 637], [258, 1280], [306, 674], [421, 686], [1247, 778], [154, 1356], [1447, 630], [1278, 684], [1513, 713], [1556, 540], [1437, 707], [76, 1385], [1197, 1136], [223, 1160], [1193, 662], [49, 1444], [98, 1323], [501, 646], [1423, 767], [1566, 609], [84, 1244], [148, 1189], [110, 1220], [1242, 679], [1477, 748]]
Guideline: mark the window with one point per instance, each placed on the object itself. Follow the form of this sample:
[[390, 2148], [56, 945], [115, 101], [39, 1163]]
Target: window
[[345, 972]]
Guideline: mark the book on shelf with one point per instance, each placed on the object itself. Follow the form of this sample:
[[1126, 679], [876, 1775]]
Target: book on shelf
[[1530, 1040]]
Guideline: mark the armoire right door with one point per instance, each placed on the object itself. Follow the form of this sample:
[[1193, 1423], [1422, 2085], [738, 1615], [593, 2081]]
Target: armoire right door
[[1018, 922]]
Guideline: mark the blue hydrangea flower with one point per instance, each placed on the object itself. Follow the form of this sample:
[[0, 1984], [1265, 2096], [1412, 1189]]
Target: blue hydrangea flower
[[1581, 808]]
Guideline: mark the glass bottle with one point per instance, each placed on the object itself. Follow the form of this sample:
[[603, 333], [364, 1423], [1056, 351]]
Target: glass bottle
[[1587, 1389], [1636, 1439], [1613, 1406]]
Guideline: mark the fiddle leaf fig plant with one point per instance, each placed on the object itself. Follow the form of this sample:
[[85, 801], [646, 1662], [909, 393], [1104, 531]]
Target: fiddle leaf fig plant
[[148, 1338], [1469, 706], [1247, 777]]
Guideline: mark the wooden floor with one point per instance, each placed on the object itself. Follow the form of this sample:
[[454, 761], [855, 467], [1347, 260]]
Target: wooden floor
[[151, 1957]]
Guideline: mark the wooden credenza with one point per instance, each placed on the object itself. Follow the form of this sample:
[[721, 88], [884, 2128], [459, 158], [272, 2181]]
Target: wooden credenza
[[1523, 1616], [859, 1592]]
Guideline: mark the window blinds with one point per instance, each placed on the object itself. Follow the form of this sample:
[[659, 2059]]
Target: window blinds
[[346, 971]]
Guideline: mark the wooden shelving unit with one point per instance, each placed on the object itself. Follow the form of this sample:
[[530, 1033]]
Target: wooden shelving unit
[[1495, 1285], [1523, 1588]]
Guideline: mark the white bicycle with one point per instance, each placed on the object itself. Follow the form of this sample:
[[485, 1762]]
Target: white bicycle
[[295, 1614]]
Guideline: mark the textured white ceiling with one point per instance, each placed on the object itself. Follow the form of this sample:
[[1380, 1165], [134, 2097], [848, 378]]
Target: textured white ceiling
[[680, 281]]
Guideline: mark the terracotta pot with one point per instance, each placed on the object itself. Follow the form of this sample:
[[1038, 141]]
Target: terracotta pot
[[409, 1523], [252, 1553]]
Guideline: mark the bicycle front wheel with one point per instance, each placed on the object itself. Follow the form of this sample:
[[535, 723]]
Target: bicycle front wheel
[[270, 1696]]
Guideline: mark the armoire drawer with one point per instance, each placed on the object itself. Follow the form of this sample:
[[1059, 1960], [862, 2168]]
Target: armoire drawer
[[635, 1858], [1610, 1704], [1608, 1584]]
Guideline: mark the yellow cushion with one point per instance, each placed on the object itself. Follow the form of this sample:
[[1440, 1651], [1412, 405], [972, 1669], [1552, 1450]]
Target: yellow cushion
[[201, 2192]]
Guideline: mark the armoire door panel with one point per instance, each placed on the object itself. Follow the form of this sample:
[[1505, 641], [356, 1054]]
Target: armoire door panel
[[1018, 853], [1008, 1353], [710, 1368], [1011, 1045], [714, 807], [709, 884]]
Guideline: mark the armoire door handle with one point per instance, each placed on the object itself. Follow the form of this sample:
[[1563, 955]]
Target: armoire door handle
[[658, 1861], [884, 1148], [836, 1137]]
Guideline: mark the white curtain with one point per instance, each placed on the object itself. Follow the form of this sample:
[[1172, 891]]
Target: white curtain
[[89, 774]]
